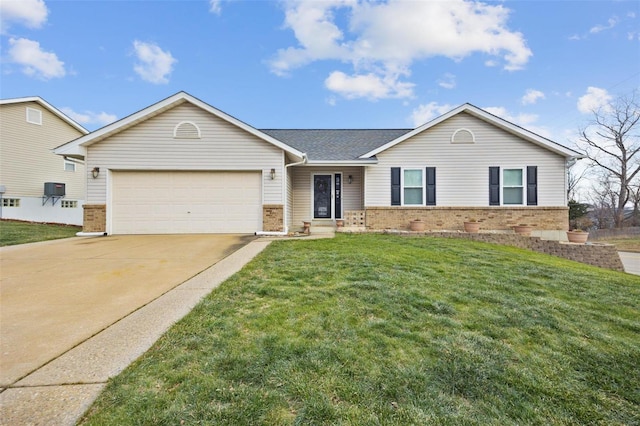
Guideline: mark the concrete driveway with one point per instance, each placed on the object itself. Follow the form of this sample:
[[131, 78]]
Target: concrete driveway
[[55, 295]]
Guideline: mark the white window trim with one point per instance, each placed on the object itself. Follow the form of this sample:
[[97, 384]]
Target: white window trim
[[39, 122], [424, 185], [67, 162], [523, 186]]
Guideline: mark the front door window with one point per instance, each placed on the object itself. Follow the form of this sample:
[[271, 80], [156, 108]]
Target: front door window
[[322, 197]]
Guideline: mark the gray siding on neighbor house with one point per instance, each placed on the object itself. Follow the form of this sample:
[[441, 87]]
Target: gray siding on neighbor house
[[302, 191], [150, 145], [462, 170], [26, 160]]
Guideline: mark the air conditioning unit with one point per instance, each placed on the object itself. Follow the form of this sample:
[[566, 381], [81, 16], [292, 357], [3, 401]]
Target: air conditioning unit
[[53, 189]]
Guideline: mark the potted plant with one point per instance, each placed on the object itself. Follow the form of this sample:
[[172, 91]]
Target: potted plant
[[523, 229], [472, 226], [417, 225], [577, 236]]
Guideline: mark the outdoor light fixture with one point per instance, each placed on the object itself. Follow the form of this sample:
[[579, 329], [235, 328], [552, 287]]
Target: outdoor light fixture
[[350, 179], [273, 174], [95, 172]]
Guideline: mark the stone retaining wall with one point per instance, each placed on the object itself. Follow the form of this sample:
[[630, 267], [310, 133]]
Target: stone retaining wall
[[601, 255]]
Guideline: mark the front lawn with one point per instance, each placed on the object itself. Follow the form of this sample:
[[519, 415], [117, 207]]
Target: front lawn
[[391, 330], [13, 232]]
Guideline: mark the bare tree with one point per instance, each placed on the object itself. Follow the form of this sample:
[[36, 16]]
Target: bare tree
[[574, 176], [612, 142]]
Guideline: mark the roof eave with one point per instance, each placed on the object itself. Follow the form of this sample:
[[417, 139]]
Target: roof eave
[[483, 115], [342, 163], [164, 105], [48, 106]]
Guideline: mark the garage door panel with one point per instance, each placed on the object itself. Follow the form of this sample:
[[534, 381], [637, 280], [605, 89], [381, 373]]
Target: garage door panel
[[186, 202]]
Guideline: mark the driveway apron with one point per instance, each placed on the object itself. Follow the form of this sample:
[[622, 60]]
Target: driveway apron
[[55, 295]]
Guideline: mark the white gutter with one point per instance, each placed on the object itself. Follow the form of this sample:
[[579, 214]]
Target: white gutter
[[284, 197]]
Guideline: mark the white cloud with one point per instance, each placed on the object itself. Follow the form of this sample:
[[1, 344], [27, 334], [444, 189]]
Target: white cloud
[[594, 99], [532, 96], [368, 86], [90, 117], [35, 62], [154, 64], [425, 113], [30, 13], [448, 81], [385, 38], [611, 22], [215, 6], [526, 121]]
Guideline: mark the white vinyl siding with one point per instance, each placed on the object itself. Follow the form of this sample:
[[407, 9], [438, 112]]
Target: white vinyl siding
[[150, 145], [462, 178], [26, 160]]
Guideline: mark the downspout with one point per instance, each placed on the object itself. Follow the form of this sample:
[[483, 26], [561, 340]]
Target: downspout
[[284, 197]]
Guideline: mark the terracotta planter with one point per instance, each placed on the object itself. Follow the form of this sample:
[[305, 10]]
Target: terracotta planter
[[472, 227], [523, 230], [417, 225], [579, 237]]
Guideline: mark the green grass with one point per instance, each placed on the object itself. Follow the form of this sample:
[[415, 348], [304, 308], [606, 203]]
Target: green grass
[[390, 330], [12, 232]]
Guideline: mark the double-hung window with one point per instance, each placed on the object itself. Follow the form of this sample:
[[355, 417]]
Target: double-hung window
[[413, 187], [513, 186]]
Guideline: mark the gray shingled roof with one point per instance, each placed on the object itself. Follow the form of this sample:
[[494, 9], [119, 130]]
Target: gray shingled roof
[[335, 144]]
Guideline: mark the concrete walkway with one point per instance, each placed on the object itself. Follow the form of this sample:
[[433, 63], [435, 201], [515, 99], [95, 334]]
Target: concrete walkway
[[631, 262], [59, 392]]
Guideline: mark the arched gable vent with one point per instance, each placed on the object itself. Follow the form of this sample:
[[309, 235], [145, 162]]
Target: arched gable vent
[[463, 136], [186, 130]]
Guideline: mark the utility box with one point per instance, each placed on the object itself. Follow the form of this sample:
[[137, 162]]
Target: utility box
[[53, 189]]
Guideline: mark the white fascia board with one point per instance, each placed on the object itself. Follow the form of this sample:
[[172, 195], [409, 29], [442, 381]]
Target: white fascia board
[[48, 106], [364, 162], [492, 119], [166, 104]]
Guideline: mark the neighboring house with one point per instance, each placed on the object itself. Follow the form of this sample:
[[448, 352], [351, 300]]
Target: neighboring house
[[182, 166], [35, 184]]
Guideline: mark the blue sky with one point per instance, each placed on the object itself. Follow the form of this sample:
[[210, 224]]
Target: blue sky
[[325, 64]]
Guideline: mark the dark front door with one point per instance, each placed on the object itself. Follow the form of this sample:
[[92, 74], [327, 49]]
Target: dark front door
[[322, 196]]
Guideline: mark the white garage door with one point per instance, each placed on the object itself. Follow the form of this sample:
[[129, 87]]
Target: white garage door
[[186, 202]]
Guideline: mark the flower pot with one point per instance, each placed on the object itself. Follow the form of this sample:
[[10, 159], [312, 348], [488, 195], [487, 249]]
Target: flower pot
[[472, 227], [417, 225], [339, 223], [579, 237], [523, 230]]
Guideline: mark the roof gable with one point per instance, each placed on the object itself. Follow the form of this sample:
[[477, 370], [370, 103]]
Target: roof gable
[[489, 118], [48, 106], [77, 146]]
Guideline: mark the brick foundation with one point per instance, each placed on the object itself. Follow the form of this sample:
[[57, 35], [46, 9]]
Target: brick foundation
[[272, 217], [94, 218], [452, 218]]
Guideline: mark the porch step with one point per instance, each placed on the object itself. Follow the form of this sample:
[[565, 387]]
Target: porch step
[[323, 229]]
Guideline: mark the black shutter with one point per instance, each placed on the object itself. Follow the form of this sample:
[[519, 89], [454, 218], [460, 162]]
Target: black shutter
[[431, 186], [494, 186], [395, 186], [532, 185]]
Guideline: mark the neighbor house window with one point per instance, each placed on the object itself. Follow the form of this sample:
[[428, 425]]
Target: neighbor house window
[[413, 187], [11, 202], [68, 204], [34, 116], [69, 166], [513, 186]]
